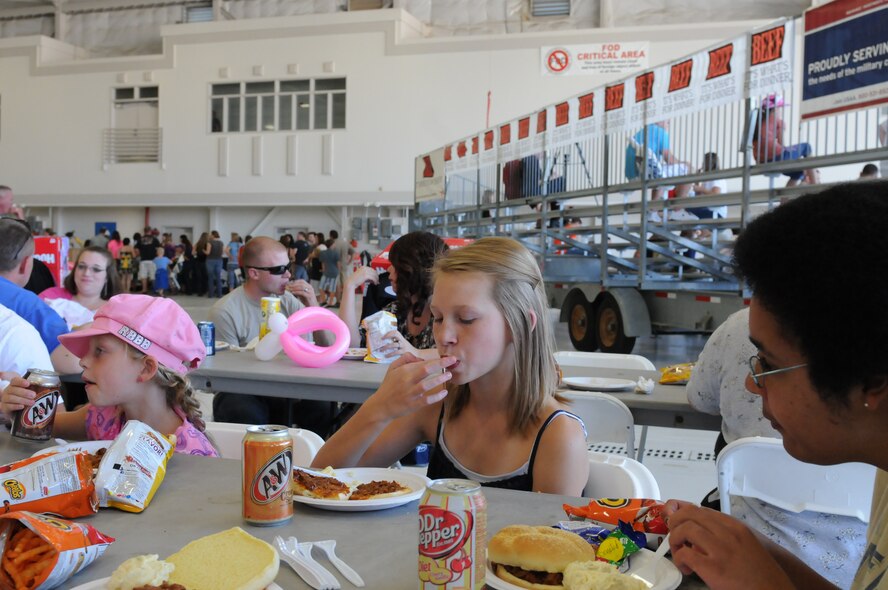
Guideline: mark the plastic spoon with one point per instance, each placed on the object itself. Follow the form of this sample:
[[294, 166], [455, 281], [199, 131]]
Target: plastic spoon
[[329, 547]]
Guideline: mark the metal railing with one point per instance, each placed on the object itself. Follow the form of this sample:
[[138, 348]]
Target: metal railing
[[129, 146]]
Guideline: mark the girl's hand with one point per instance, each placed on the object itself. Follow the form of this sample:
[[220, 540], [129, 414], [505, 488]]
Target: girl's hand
[[16, 395], [362, 275], [725, 553], [409, 385], [395, 343]]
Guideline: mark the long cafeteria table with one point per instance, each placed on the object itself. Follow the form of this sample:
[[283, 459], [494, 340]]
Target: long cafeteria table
[[354, 381], [201, 495]]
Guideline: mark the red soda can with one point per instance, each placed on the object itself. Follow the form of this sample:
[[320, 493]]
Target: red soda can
[[267, 472], [35, 422], [452, 535]]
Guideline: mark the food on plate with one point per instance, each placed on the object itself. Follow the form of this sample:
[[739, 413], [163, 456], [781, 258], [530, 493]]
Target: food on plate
[[229, 560], [139, 571], [319, 486], [61, 483], [378, 489], [535, 557], [43, 551], [598, 575], [163, 586], [135, 469]]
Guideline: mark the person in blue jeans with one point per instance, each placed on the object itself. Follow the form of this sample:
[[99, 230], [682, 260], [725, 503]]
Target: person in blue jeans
[[213, 250], [232, 250]]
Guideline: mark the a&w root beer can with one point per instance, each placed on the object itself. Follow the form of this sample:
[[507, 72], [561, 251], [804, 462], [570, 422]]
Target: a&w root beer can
[[35, 422], [268, 466], [452, 535]]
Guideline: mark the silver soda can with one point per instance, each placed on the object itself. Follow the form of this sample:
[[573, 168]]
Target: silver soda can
[[208, 335], [35, 422]]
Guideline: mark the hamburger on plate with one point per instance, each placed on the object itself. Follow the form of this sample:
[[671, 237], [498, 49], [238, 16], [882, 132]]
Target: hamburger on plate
[[535, 557]]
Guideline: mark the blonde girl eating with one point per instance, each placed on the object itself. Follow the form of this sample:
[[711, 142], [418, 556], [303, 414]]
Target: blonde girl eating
[[135, 357], [489, 402]]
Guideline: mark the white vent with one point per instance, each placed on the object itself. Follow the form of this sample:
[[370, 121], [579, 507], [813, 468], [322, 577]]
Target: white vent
[[128, 146], [365, 4], [550, 7], [199, 14]]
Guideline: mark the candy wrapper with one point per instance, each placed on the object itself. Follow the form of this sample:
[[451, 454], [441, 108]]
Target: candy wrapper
[[676, 374], [61, 483], [133, 467], [377, 326], [622, 542], [41, 551], [591, 533], [643, 515]]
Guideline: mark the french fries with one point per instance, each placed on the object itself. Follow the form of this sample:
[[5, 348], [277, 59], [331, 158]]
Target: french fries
[[26, 557]]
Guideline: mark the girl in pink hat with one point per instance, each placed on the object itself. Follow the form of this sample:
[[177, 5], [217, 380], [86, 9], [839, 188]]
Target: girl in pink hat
[[135, 357]]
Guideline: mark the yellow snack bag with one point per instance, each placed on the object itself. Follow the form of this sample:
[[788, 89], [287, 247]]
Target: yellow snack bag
[[676, 374], [133, 467]]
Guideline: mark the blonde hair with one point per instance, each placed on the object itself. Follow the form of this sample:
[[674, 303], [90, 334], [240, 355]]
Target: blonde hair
[[178, 390], [517, 291]]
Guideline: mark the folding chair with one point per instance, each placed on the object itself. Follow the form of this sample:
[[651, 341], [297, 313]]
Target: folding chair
[[606, 417], [759, 467], [605, 360], [615, 476], [228, 439]]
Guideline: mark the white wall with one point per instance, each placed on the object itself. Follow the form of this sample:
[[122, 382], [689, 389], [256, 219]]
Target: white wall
[[405, 95]]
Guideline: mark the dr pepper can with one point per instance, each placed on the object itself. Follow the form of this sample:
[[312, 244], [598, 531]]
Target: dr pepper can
[[267, 465], [452, 535]]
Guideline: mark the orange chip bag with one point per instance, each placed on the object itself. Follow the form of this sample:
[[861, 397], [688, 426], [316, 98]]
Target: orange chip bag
[[676, 374], [61, 483], [41, 551], [644, 515]]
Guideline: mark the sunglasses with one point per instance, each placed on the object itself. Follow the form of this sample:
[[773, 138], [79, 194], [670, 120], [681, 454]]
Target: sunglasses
[[273, 270]]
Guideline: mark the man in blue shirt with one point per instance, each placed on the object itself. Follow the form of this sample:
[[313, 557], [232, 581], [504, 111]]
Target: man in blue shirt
[[16, 262]]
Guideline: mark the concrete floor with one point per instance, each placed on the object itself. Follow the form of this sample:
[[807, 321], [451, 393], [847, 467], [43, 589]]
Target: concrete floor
[[681, 460]]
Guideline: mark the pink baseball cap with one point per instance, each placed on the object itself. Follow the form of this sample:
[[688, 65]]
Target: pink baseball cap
[[153, 325]]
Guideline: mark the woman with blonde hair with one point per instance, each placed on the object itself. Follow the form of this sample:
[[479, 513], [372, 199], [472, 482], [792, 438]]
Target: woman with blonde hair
[[489, 402]]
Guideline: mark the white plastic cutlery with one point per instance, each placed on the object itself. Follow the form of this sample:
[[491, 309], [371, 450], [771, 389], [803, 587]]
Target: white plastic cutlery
[[649, 570], [329, 579], [329, 547], [289, 551]]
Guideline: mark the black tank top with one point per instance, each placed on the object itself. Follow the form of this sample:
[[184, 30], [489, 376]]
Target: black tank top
[[442, 465]]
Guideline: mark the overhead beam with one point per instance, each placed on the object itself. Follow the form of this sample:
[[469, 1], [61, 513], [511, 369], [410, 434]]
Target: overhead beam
[[26, 12]]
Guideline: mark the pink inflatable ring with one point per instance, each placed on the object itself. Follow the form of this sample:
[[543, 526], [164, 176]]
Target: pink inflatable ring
[[309, 320]]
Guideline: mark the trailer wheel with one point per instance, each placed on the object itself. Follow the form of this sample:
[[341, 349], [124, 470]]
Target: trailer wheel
[[580, 325], [609, 324]]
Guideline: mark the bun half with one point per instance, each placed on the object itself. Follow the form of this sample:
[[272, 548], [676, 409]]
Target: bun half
[[538, 548]]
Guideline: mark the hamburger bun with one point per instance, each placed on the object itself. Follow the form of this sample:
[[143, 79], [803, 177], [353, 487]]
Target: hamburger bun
[[535, 557], [230, 560]]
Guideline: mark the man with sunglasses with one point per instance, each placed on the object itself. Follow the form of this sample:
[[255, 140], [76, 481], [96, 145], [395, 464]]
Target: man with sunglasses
[[16, 262], [266, 270], [818, 320]]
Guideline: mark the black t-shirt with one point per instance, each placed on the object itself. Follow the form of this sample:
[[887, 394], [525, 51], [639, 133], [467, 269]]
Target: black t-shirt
[[303, 248], [148, 250], [41, 278]]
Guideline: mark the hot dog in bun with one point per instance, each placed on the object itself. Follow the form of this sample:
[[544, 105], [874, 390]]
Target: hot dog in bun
[[535, 557]]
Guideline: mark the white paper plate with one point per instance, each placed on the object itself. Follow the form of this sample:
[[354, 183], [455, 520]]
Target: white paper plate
[[103, 585], [222, 345], [666, 575], [355, 475], [598, 383], [354, 354], [90, 446]]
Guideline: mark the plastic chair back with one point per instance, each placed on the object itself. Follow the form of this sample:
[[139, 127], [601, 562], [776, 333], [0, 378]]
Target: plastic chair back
[[605, 360], [607, 419], [759, 467], [228, 438], [615, 476]]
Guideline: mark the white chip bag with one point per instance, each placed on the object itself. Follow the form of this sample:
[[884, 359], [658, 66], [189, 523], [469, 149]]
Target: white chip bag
[[133, 467], [377, 326]]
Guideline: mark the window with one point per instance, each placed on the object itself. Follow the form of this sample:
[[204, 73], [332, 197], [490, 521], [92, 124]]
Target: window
[[550, 7], [136, 94], [282, 105]]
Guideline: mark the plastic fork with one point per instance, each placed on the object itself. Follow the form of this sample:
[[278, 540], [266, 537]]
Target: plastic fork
[[649, 570], [329, 579], [329, 547], [291, 555]]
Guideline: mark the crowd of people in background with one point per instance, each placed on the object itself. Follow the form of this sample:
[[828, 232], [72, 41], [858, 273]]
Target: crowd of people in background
[[208, 267]]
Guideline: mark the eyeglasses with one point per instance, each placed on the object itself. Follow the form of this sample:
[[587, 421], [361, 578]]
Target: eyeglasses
[[27, 237], [93, 269], [757, 366], [273, 270]]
